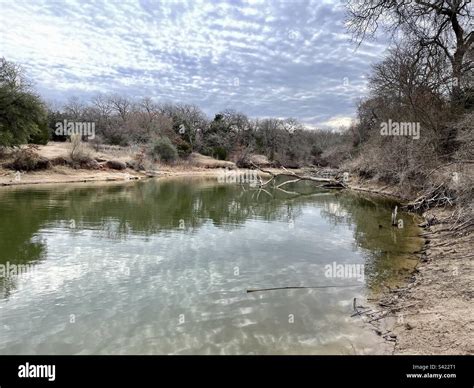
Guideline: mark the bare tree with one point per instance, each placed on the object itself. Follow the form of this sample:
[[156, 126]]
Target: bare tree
[[121, 105], [149, 107], [103, 105], [442, 24], [74, 108]]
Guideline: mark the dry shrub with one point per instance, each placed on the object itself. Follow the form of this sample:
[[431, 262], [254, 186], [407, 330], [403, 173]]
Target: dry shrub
[[451, 182], [335, 155], [139, 162], [252, 160], [115, 165], [61, 161], [465, 138], [80, 155], [78, 149], [26, 159], [397, 160], [3, 152]]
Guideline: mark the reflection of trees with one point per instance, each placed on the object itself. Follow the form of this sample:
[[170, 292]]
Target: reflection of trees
[[150, 207], [388, 250], [115, 211], [141, 207], [21, 216]]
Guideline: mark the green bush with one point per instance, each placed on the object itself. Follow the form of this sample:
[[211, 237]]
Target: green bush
[[162, 149], [23, 117], [42, 135], [219, 153], [184, 148]]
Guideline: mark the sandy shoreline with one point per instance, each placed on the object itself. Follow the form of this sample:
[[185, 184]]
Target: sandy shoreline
[[64, 175], [432, 314]]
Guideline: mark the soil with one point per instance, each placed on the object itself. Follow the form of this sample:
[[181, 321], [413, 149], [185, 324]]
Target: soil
[[433, 313], [199, 166]]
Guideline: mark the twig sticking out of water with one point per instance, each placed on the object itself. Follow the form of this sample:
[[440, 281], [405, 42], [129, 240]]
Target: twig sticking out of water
[[301, 287]]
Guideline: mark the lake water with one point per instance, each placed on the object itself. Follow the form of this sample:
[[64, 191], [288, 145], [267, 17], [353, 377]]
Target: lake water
[[163, 267]]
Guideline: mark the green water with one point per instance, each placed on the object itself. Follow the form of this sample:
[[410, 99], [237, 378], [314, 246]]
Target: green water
[[163, 266]]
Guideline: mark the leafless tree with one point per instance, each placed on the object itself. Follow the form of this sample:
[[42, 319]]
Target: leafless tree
[[103, 105], [74, 108], [121, 105], [430, 24]]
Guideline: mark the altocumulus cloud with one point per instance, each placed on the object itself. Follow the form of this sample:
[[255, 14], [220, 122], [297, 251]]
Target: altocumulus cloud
[[265, 58]]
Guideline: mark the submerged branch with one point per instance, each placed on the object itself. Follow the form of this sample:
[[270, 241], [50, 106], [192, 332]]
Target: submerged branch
[[301, 287]]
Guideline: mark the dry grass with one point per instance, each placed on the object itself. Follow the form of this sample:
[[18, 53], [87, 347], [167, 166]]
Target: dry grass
[[202, 161], [78, 151]]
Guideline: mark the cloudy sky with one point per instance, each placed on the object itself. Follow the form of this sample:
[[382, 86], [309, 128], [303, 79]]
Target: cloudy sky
[[290, 58]]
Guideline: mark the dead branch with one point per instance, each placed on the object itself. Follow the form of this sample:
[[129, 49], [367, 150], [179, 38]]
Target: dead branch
[[326, 182], [300, 287]]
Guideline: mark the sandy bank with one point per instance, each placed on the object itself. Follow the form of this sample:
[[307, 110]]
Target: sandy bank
[[433, 313]]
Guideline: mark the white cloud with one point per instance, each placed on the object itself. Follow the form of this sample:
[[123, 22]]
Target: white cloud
[[337, 122], [191, 52]]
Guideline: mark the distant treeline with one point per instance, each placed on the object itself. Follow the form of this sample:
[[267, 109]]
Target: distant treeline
[[118, 120], [229, 135]]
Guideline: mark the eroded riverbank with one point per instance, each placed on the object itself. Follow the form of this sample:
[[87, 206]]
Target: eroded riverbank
[[432, 314]]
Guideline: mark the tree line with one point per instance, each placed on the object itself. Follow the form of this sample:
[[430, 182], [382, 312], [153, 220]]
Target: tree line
[[426, 78], [119, 120]]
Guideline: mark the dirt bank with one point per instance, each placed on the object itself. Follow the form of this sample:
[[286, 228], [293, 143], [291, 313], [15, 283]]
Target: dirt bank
[[198, 165], [433, 314], [62, 175], [195, 165]]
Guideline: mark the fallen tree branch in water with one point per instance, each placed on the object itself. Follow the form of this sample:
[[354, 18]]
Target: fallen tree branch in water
[[325, 182], [301, 287]]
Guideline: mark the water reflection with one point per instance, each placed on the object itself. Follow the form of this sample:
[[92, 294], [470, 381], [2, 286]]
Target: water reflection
[[131, 259]]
